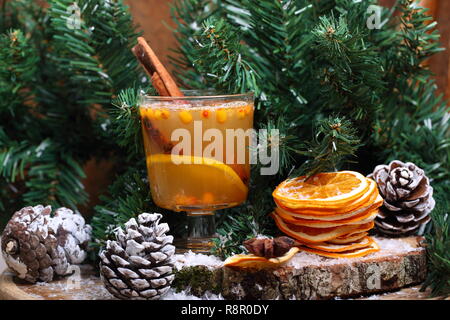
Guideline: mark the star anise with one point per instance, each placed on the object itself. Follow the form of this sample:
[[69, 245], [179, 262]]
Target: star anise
[[269, 248]]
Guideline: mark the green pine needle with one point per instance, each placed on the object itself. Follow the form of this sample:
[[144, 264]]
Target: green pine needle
[[438, 244], [226, 70], [334, 143]]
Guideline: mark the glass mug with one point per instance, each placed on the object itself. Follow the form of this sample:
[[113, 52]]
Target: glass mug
[[197, 155]]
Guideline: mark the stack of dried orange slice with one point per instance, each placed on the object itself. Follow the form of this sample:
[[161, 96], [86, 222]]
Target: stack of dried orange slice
[[330, 213]]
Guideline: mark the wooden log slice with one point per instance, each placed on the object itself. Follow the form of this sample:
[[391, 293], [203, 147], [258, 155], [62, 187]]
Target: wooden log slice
[[400, 263]]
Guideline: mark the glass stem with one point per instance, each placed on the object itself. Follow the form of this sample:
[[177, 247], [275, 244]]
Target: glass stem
[[201, 230]]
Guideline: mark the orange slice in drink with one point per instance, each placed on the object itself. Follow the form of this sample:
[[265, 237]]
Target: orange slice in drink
[[253, 261], [315, 235], [361, 252], [182, 172], [329, 190]]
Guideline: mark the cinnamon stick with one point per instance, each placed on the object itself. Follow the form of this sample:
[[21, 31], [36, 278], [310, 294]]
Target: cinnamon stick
[[162, 82], [161, 78], [156, 135], [158, 84]]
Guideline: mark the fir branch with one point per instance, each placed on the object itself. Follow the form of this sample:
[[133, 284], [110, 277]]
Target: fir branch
[[23, 15], [15, 157], [351, 73], [244, 222], [420, 122], [129, 197], [76, 52], [18, 66], [275, 45], [334, 142], [438, 242], [56, 85], [233, 232], [115, 52], [54, 178], [189, 16], [415, 119], [96, 60], [219, 59], [280, 136], [419, 40], [125, 122]]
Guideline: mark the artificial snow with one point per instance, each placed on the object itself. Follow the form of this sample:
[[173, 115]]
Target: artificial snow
[[17, 265], [76, 232], [190, 259], [387, 247], [186, 295], [39, 224]]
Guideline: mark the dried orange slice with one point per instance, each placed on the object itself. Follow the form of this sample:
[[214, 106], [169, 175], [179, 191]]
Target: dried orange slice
[[364, 217], [314, 235], [362, 203], [331, 247], [349, 238], [376, 203], [330, 190], [361, 252], [253, 261]]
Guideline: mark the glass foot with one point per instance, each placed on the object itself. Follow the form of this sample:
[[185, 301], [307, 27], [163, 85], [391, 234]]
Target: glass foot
[[201, 230]]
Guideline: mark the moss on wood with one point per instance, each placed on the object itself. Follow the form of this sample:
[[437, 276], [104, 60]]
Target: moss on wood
[[199, 279]]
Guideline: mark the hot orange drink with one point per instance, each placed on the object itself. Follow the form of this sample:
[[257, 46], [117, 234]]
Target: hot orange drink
[[197, 150]]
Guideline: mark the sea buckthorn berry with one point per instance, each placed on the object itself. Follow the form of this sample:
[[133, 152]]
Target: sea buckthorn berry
[[241, 113], [165, 114], [143, 111], [205, 113], [185, 116], [248, 109], [157, 114], [149, 113], [221, 115]]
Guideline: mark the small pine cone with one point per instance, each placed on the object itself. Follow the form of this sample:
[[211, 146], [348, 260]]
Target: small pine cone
[[138, 265], [408, 198], [33, 246]]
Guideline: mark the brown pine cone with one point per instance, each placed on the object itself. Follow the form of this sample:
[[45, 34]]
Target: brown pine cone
[[138, 265], [408, 198], [33, 243]]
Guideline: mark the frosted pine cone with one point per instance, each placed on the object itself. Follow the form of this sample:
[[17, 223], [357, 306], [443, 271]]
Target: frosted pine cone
[[408, 198], [138, 265], [34, 243], [72, 233]]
